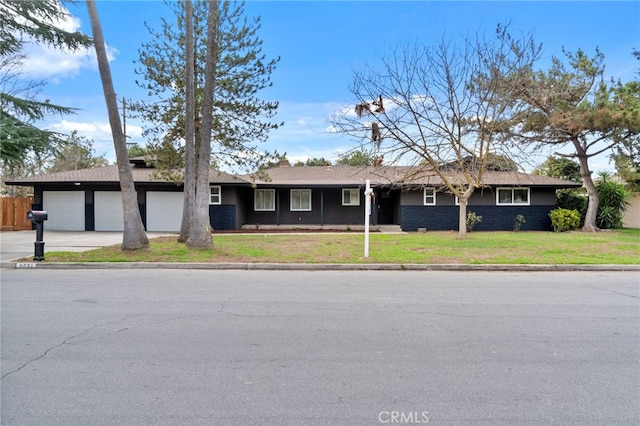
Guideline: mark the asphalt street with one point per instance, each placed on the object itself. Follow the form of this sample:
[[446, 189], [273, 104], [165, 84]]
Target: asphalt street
[[196, 347]]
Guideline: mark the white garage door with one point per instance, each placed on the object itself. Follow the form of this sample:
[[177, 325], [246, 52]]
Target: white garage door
[[108, 211], [164, 211], [65, 210]]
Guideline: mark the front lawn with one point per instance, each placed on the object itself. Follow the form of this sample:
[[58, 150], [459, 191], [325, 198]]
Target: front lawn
[[606, 247]]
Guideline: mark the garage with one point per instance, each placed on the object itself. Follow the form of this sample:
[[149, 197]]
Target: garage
[[108, 211], [65, 210], [164, 211]]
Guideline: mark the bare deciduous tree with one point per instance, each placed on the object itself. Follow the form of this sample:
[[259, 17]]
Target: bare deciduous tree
[[440, 108]]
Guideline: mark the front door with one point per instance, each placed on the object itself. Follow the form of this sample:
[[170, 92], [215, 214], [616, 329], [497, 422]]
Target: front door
[[386, 200]]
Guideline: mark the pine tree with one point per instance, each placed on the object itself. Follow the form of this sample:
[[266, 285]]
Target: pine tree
[[19, 110], [240, 121], [571, 105]]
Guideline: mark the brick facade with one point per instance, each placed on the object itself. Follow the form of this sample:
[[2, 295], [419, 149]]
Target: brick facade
[[494, 218], [222, 217]]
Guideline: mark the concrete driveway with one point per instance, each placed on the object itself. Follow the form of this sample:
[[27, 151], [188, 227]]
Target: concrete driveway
[[19, 244]]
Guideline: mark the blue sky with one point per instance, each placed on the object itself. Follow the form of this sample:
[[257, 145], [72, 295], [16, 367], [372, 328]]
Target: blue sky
[[320, 45]]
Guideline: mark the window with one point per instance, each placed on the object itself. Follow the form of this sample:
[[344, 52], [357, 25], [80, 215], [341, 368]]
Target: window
[[430, 196], [513, 196], [215, 194], [301, 200], [264, 199], [350, 197]]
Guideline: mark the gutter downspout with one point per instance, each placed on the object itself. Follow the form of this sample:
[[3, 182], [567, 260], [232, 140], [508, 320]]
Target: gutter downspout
[[277, 207], [322, 207]]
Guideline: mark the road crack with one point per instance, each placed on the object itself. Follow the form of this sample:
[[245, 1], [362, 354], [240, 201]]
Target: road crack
[[67, 341], [224, 310], [614, 292]]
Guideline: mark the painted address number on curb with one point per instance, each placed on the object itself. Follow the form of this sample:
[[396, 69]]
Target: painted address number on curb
[[26, 265]]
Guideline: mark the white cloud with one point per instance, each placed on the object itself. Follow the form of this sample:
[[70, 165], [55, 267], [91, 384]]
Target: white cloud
[[93, 130], [43, 61], [46, 62], [97, 130]]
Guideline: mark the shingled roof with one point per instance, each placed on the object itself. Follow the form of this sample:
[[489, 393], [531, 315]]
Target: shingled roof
[[387, 175], [109, 174], [299, 176]]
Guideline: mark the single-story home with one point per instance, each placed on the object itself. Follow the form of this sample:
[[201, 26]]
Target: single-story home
[[90, 199], [295, 197]]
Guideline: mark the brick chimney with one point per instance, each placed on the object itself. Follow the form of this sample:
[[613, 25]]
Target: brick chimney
[[284, 163]]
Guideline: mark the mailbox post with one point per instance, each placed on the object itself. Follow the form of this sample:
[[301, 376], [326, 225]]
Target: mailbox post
[[38, 217]]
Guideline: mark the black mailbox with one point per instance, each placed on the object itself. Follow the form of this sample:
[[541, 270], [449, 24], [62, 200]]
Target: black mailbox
[[37, 215]]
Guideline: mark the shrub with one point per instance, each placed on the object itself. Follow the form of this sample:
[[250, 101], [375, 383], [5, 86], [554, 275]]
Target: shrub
[[564, 220], [472, 220], [517, 223], [609, 218], [614, 199], [573, 199]]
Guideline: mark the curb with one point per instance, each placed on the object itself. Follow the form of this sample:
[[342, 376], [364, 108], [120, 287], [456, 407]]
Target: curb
[[319, 266]]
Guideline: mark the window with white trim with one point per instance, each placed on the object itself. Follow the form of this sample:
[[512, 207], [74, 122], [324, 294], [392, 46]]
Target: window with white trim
[[215, 194], [300, 200], [430, 196], [512, 197], [264, 200], [350, 197]]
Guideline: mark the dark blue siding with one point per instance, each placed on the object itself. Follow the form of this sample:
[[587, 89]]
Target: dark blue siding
[[143, 214], [222, 217], [445, 218], [89, 218]]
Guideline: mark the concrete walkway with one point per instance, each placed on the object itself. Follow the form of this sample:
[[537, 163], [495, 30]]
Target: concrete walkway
[[20, 244]]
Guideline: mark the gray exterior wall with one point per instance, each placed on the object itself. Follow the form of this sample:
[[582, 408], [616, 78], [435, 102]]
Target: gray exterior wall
[[326, 208]]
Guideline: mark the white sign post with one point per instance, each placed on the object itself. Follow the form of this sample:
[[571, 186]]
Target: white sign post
[[367, 212]]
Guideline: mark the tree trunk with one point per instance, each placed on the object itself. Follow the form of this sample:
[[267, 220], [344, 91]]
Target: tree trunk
[[462, 218], [592, 193], [190, 155], [463, 201], [200, 235], [134, 236]]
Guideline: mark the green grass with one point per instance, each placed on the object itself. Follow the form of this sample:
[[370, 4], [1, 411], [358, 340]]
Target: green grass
[[607, 247]]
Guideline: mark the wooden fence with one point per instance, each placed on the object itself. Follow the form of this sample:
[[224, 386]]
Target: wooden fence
[[13, 213]]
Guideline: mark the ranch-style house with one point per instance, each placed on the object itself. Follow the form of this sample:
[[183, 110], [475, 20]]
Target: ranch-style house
[[295, 197]]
